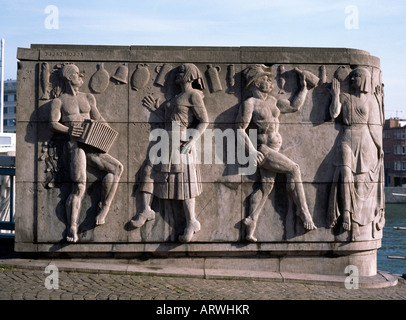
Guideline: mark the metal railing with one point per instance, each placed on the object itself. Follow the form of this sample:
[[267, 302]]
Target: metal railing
[[7, 195]]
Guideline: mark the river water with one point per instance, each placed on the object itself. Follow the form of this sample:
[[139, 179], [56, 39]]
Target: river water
[[394, 241]]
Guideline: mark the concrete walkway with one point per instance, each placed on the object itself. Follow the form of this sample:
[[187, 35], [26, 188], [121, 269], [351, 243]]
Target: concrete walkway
[[24, 279], [70, 279], [25, 284]]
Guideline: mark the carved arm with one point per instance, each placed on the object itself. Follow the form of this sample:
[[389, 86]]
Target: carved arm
[[335, 105], [285, 106]]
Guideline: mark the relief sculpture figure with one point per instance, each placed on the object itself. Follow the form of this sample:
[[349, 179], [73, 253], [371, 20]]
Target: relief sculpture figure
[[69, 113], [178, 178], [262, 111], [357, 195]]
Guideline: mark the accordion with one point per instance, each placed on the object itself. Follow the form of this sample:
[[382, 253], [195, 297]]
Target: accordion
[[98, 135]]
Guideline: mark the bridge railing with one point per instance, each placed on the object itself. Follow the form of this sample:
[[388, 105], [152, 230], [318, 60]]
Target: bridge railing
[[7, 195]]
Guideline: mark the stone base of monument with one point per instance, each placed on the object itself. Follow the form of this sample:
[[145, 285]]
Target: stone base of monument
[[95, 123], [263, 268], [321, 263]]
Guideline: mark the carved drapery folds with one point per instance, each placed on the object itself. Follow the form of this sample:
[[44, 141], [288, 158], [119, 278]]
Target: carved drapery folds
[[357, 195], [268, 149]]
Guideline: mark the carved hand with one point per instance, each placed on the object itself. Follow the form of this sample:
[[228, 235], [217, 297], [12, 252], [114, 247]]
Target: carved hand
[[381, 153], [260, 158], [335, 88], [187, 146], [76, 131], [150, 103], [302, 78]]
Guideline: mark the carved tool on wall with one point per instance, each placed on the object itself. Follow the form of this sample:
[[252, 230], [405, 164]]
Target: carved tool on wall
[[45, 81], [322, 74], [99, 80], [213, 78], [311, 79], [281, 79], [341, 73], [230, 78], [162, 74], [140, 76], [121, 74]]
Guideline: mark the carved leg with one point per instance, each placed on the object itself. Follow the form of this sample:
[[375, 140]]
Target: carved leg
[[109, 188], [279, 163], [257, 202], [114, 169], [74, 201], [347, 184], [73, 205], [296, 191], [192, 225], [146, 214]]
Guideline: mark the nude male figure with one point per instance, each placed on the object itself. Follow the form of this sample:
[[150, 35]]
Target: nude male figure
[[262, 110], [68, 112]]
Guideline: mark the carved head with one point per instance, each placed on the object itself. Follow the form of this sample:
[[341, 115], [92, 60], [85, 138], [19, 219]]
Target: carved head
[[188, 72], [70, 73], [255, 72], [361, 78]]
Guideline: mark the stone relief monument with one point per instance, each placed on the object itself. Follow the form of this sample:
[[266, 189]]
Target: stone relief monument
[[248, 158]]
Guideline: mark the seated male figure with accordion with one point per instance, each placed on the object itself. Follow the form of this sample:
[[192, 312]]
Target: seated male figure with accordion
[[75, 114]]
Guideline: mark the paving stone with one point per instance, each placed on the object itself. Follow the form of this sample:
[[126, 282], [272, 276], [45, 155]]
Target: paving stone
[[29, 285]]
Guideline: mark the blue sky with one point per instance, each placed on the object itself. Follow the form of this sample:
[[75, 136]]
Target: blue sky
[[381, 28]]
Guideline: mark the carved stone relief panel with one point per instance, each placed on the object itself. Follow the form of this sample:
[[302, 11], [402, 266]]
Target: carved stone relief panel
[[76, 151], [204, 149]]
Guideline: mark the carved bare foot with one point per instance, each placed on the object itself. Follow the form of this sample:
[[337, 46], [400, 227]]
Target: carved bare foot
[[101, 216], [190, 230], [100, 219], [309, 225], [347, 221], [140, 219], [250, 224], [73, 235], [307, 220], [251, 238]]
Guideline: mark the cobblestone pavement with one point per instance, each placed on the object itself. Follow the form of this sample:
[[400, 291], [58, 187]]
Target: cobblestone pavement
[[21, 284]]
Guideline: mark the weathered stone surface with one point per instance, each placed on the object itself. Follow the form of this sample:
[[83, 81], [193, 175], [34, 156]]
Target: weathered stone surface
[[310, 139]]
